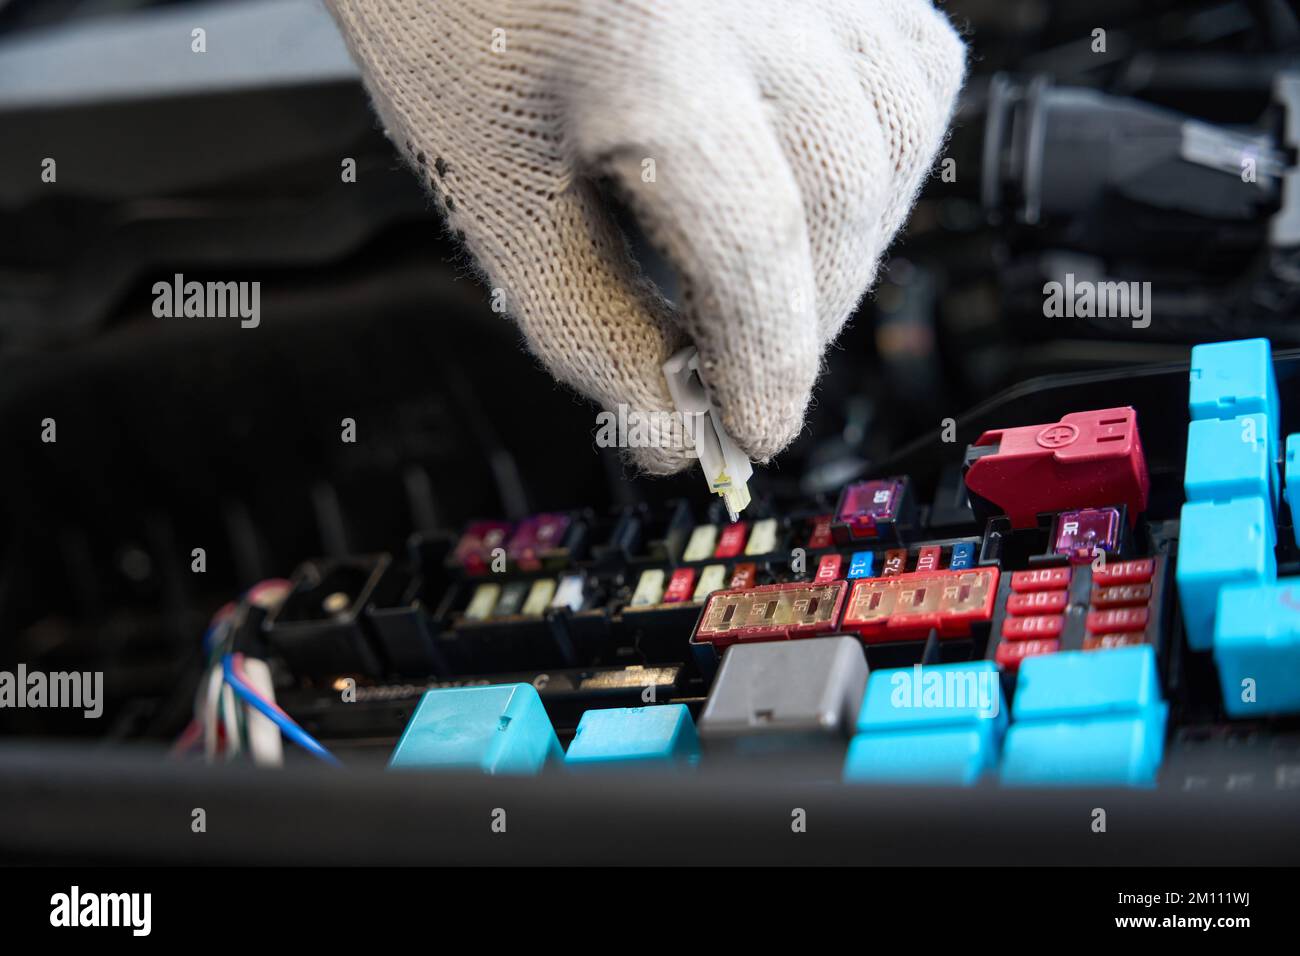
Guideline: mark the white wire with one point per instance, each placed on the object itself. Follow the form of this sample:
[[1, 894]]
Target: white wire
[[230, 718], [263, 735], [211, 711]]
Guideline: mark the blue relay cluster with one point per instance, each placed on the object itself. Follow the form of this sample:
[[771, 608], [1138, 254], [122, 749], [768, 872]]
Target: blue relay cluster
[[1233, 604], [1228, 528], [1087, 719], [504, 729], [1080, 718]]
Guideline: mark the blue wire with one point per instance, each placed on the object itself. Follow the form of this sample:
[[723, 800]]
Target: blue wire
[[207, 637], [287, 727]]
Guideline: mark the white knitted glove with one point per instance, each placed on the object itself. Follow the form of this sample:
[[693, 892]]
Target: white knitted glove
[[770, 150]]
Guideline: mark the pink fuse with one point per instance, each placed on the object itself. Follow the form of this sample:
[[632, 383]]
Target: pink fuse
[[536, 537], [865, 504], [1081, 534]]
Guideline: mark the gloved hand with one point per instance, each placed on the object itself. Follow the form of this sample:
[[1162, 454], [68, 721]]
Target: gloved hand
[[769, 148]]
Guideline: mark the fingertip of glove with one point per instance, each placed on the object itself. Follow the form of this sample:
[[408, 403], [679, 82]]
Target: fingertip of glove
[[658, 462]]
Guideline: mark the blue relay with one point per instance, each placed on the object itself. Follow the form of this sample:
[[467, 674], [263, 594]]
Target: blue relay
[[499, 729], [634, 736], [940, 723], [1087, 718], [1257, 648]]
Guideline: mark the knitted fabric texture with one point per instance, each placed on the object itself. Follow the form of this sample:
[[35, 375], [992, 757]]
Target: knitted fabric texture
[[770, 149]]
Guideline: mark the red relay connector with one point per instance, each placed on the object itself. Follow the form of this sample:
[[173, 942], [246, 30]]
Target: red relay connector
[[1087, 459]]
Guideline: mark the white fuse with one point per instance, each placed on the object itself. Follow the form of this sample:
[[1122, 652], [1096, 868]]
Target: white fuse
[[649, 588], [712, 578], [762, 537], [701, 544], [570, 593], [726, 467]]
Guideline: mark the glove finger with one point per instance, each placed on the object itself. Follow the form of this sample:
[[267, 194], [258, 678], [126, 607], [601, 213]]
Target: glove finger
[[910, 63], [595, 323], [492, 154], [679, 122], [833, 141]]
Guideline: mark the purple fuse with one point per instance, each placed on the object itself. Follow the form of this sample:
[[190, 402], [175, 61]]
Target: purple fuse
[[536, 537], [868, 503], [1081, 534]]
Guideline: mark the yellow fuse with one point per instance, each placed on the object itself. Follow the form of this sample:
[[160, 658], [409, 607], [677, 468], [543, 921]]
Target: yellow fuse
[[483, 601], [539, 598]]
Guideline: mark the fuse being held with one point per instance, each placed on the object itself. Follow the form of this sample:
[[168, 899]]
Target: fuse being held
[[726, 468]]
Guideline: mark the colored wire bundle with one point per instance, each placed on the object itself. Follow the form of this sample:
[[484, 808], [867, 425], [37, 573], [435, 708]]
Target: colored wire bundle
[[219, 720], [232, 667]]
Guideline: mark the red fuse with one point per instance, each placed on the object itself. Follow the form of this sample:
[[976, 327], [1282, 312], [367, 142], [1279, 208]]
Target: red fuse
[[821, 533], [1117, 620], [743, 576], [1102, 642], [680, 586], [928, 559], [895, 563], [1125, 572], [1038, 602], [828, 569], [774, 612], [1121, 595], [481, 538], [731, 543], [908, 606], [1040, 579], [1026, 628], [1010, 653], [1086, 460]]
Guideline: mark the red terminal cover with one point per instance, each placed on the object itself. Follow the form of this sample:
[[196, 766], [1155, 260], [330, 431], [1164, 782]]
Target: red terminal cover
[[1087, 459]]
